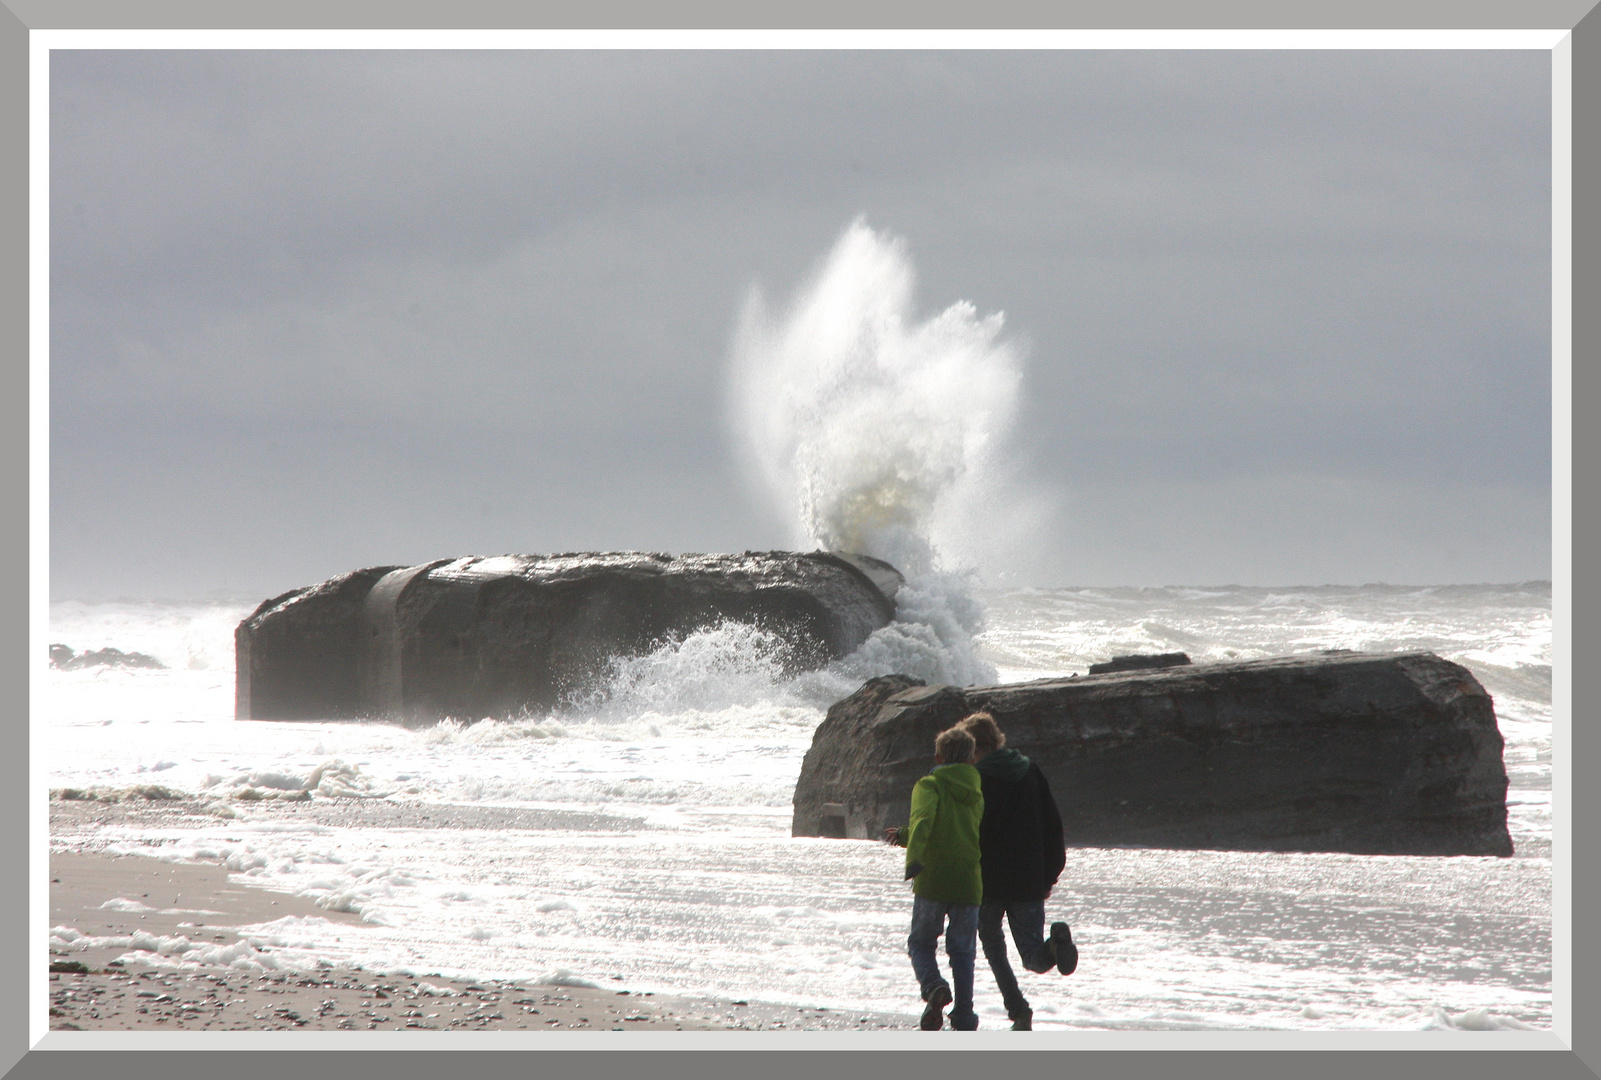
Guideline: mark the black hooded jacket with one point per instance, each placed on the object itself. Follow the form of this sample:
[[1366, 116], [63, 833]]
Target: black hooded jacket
[[1020, 835]]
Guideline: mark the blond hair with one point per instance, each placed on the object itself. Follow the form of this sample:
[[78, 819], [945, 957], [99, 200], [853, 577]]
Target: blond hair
[[954, 745], [987, 736]]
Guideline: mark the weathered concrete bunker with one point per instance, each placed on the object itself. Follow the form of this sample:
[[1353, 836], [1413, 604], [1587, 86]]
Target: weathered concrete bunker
[[477, 637], [1351, 752]]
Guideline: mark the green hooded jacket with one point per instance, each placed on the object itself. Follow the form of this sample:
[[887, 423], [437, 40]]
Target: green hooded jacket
[[942, 835]]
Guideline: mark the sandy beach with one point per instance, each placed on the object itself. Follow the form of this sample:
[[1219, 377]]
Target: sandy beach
[[113, 975]]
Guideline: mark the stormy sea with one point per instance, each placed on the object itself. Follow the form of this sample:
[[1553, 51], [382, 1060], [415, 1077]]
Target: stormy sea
[[646, 842], [640, 837]]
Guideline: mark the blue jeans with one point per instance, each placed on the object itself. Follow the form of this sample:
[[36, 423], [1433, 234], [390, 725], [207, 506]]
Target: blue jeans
[[928, 922], [1027, 919]]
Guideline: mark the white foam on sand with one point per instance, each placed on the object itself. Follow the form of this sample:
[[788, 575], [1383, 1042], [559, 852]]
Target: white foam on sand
[[1245, 940], [122, 903]]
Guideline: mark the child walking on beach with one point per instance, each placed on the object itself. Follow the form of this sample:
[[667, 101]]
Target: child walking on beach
[[942, 861]]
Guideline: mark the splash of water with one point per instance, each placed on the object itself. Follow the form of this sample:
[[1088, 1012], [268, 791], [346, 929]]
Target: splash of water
[[711, 669], [870, 430], [874, 432]]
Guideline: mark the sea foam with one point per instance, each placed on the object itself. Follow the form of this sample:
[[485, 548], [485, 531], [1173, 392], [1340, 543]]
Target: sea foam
[[872, 431]]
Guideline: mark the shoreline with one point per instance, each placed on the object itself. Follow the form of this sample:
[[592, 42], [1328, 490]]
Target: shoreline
[[131, 983], [125, 968], [203, 907]]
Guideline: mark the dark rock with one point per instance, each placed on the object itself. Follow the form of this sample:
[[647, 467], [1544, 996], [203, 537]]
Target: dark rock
[[68, 967], [296, 656], [1140, 662], [62, 656], [481, 637], [1363, 753]]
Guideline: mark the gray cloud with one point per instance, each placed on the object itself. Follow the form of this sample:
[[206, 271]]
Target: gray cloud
[[1289, 313]]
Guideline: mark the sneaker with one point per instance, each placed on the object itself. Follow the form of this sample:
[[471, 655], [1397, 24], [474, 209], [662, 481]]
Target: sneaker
[[1064, 949], [934, 1013], [1023, 1021]]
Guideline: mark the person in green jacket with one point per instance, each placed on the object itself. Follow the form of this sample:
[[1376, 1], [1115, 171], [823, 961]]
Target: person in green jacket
[[942, 861]]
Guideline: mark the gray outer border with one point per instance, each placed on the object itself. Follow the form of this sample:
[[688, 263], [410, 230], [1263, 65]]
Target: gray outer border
[[18, 16]]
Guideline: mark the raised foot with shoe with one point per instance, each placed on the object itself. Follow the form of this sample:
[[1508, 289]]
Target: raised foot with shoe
[[1063, 949]]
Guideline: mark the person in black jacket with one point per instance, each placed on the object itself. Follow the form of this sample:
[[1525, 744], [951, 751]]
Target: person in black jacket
[[1020, 838]]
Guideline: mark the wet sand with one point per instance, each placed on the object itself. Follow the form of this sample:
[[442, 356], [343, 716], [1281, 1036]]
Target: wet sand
[[125, 985]]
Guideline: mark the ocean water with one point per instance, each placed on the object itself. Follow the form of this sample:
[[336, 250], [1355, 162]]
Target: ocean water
[[658, 857], [641, 838]]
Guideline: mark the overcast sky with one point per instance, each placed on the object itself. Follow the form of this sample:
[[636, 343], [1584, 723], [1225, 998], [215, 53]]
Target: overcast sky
[[1287, 315]]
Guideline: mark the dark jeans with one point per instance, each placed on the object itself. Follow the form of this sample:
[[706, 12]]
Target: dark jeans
[[928, 922], [1027, 919]]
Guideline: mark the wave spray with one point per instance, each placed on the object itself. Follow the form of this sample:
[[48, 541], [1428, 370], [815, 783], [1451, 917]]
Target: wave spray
[[874, 432]]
